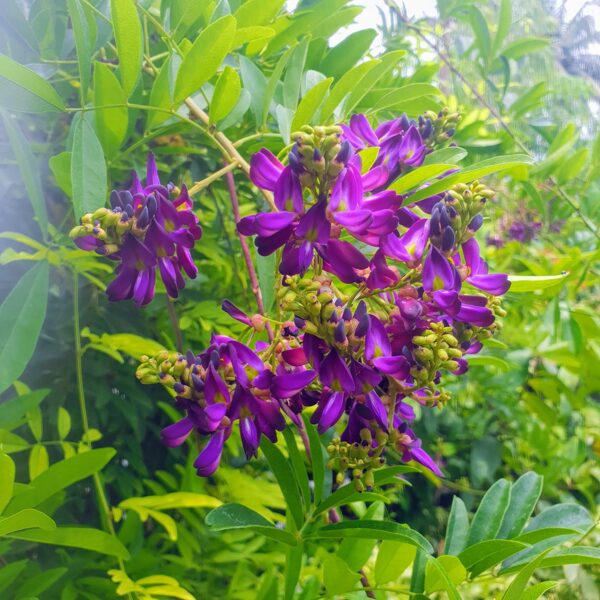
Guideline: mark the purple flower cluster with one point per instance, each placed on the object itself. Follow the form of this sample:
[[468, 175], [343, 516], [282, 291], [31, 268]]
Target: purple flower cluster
[[383, 296], [148, 227]]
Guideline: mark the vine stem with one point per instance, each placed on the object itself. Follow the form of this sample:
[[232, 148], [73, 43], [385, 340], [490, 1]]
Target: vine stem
[[493, 110], [105, 512], [200, 185], [227, 146], [175, 324], [235, 207]]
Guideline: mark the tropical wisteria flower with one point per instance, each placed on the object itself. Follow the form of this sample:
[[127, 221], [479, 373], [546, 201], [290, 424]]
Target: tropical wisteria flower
[[148, 227], [383, 298]]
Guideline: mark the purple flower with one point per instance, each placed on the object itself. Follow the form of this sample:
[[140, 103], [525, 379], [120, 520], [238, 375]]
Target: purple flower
[[144, 230], [477, 271], [438, 273]]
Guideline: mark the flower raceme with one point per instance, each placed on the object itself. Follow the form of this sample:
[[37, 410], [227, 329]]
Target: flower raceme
[[383, 298], [148, 227]]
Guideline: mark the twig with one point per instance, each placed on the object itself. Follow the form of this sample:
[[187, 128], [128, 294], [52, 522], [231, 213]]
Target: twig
[[230, 151], [235, 206], [200, 185]]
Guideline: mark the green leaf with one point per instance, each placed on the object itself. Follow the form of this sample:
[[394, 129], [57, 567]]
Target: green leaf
[[285, 478], [571, 516], [504, 23], [255, 33], [256, 84], [482, 33], [575, 555], [517, 585], [27, 162], [458, 527], [310, 103], [111, 123], [476, 171], [88, 169], [418, 176], [293, 75], [239, 110], [85, 538], [25, 519], [272, 83], [417, 578], [355, 551], [494, 557], [368, 156], [226, 94], [39, 583], [373, 530], [293, 566], [525, 47], [481, 551], [536, 590], [342, 57], [204, 57], [257, 12], [84, 42], [405, 93], [346, 495], [488, 518], [338, 578], [128, 36], [487, 360], [11, 572], [21, 317], [298, 465], [236, 516], [393, 558], [63, 422], [386, 63], [60, 165], [266, 271], [24, 90], [38, 461], [539, 535], [160, 95], [345, 86], [444, 573], [7, 479], [317, 461], [59, 476], [12, 411], [451, 155], [524, 495]]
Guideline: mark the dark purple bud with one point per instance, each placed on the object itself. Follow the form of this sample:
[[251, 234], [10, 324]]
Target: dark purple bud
[[452, 212], [191, 358], [299, 323], [198, 383], [143, 219], [345, 154], [151, 205], [178, 387], [421, 121], [317, 156], [126, 198], [444, 218], [115, 201], [476, 222], [361, 310], [450, 132], [347, 314], [434, 225], [129, 210], [448, 239], [214, 358], [427, 129], [404, 122], [295, 160], [340, 332], [363, 326]]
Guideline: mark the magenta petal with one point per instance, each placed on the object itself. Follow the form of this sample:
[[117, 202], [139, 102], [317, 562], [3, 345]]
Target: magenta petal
[[496, 283], [152, 177], [330, 414], [354, 220], [234, 312], [422, 457], [334, 373], [288, 385], [265, 169], [175, 434], [374, 178], [361, 127], [376, 341], [288, 192], [294, 357], [250, 436], [377, 408], [208, 460]]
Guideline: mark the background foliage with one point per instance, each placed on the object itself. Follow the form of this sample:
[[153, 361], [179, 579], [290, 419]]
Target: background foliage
[[88, 87]]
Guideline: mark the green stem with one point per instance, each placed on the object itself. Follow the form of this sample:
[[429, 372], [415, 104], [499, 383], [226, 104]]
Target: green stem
[[105, 516], [175, 323]]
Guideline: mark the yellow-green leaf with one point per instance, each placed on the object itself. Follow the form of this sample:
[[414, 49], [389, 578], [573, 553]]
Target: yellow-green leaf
[[38, 461], [226, 94], [310, 103], [128, 35], [7, 479]]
